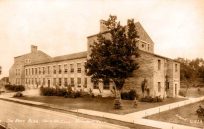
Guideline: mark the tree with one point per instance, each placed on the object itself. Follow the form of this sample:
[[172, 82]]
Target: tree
[[113, 59]]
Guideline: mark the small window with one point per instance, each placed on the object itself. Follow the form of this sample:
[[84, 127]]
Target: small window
[[85, 82], [78, 67], [60, 81], [54, 70], [71, 68], [95, 85], [159, 64], [65, 82], [60, 70], [176, 67], [106, 84], [72, 81], [65, 68], [79, 82], [36, 71], [159, 86]]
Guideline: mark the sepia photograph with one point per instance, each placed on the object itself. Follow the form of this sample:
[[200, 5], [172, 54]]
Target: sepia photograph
[[102, 64]]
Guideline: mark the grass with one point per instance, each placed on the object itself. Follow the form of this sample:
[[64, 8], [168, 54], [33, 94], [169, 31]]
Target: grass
[[193, 92], [185, 115], [97, 104]]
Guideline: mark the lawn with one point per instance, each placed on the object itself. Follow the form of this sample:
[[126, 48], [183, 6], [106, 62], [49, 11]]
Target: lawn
[[185, 115], [97, 104]]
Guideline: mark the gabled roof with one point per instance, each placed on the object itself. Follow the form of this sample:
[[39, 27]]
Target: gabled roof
[[62, 58], [140, 30], [38, 52], [70, 56]]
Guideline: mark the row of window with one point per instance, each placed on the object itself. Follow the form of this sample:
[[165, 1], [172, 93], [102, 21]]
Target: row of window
[[159, 65], [55, 69], [56, 81]]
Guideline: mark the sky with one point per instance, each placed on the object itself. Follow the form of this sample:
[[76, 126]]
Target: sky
[[60, 27]]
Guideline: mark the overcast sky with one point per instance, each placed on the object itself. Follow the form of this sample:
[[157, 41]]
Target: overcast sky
[[60, 27]]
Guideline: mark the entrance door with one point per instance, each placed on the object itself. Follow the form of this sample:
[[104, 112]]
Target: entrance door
[[48, 83]]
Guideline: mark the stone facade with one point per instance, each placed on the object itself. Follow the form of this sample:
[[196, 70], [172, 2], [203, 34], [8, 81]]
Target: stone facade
[[37, 69]]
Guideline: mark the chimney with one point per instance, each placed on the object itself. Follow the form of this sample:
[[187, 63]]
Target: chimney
[[34, 48], [103, 27]]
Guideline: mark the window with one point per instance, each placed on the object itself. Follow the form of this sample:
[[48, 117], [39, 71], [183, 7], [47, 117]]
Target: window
[[54, 81], [159, 86], [159, 64], [176, 67], [106, 84], [78, 67], [32, 81], [95, 85], [65, 82], [43, 70], [60, 81], [79, 82], [84, 67], [54, 70], [143, 45], [148, 47], [48, 69], [85, 82], [71, 68], [26, 73], [60, 71], [39, 70], [32, 71], [36, 71], [65, 68], [72, 81], [29, 71]]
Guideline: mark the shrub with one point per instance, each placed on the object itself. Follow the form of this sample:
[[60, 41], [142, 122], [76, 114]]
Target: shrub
[[200, 112], [151, 99], [67, 93], [129, 95], [15, 88], [117, 103], [18, 94], [182, 93]]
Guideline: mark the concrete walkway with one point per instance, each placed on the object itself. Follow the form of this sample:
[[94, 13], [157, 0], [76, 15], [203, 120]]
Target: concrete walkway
[[136, 117]]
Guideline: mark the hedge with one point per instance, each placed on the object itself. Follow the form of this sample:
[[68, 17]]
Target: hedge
[[50, 91], [15, 88], [129, 95]]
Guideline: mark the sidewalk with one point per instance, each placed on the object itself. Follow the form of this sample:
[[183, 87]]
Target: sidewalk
[[136, 117]]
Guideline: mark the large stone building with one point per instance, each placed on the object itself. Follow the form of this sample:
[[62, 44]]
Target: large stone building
[[162, 75]]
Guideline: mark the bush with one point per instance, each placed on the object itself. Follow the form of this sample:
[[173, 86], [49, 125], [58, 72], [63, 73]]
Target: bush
[[200, 112], [151, 99], [18, 94], [129, 95], [182, 93], [67, 93], [15, 88]]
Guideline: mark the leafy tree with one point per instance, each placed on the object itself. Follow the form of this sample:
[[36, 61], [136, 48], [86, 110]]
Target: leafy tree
[[113, 58]]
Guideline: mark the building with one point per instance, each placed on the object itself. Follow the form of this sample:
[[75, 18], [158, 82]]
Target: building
[[161, 74]]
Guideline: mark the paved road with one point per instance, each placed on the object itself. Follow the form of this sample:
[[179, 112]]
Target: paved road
[[26, 117]]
